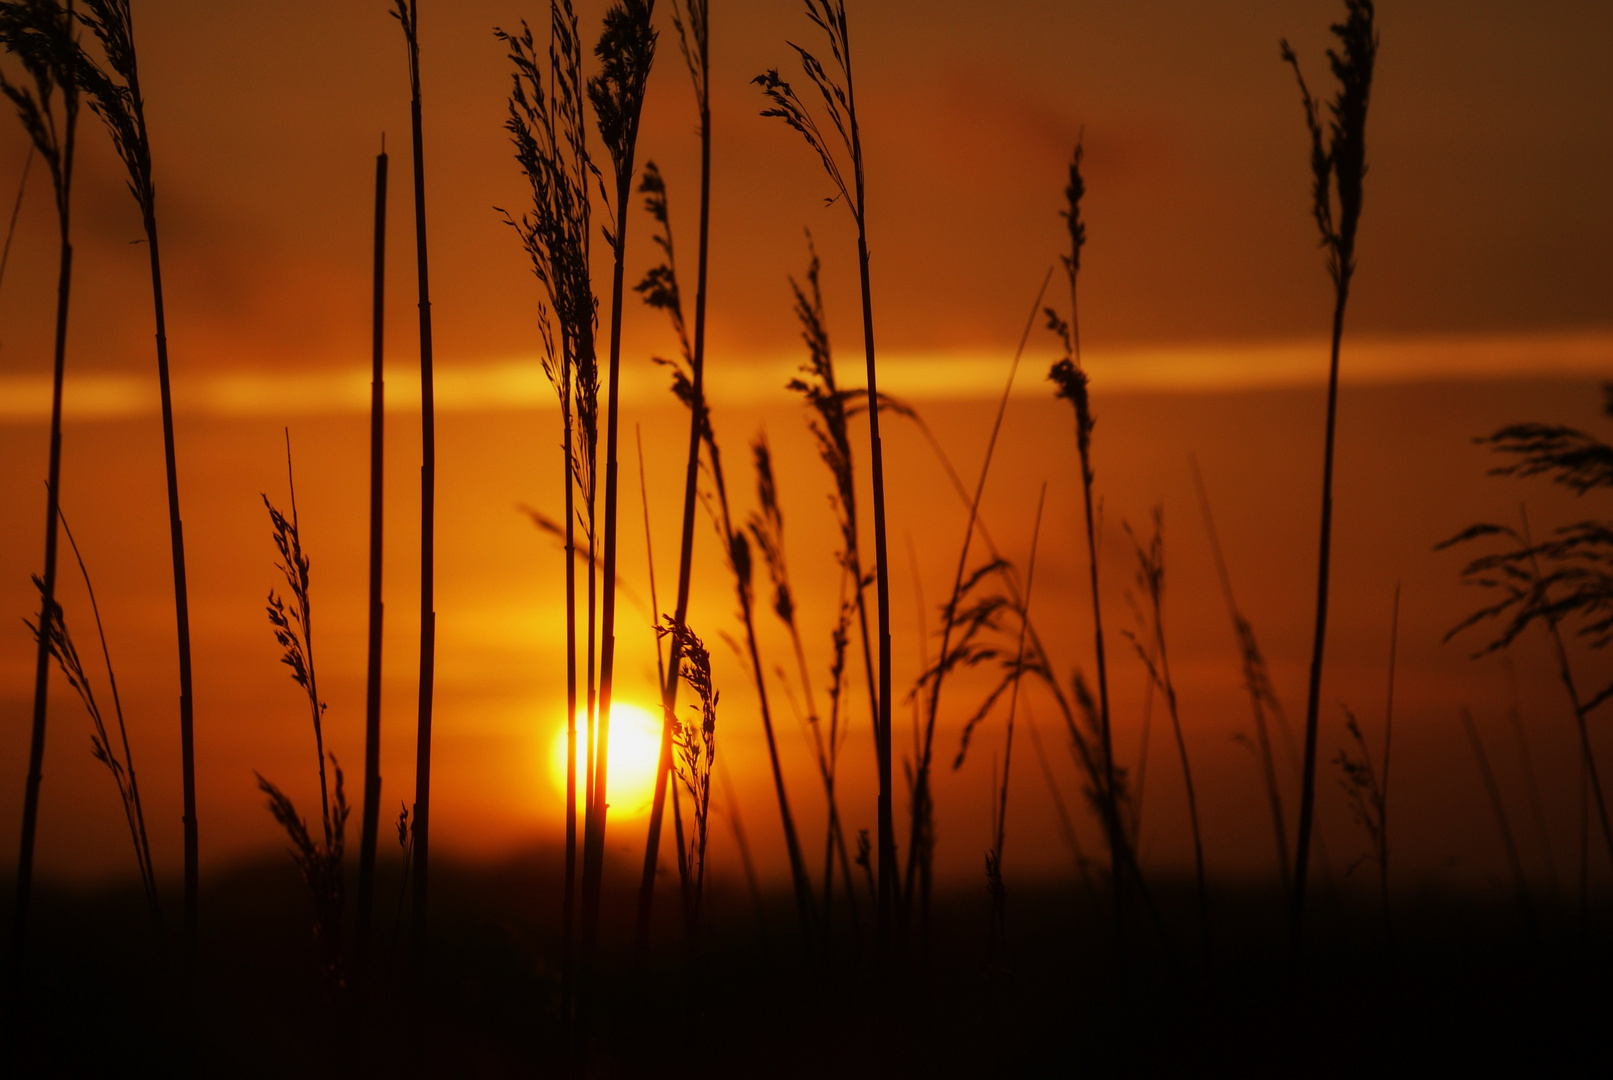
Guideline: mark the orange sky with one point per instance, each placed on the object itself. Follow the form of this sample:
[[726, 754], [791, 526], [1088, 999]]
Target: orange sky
[[1490, 143], [1483, 255]]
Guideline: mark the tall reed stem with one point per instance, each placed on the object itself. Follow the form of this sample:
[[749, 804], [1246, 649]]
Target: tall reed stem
[[1341, 163], [49, 59], [830, 17], [122, 107], [876, 453], [694, 37], [549, 134], [627, 50], [408, 14], [372, 694], [1072, 381]]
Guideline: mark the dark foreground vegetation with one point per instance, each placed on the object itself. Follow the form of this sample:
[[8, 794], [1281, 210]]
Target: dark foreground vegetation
[[1467, 983]]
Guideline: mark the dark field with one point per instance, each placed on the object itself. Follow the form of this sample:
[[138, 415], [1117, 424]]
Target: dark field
[[1468, 981]]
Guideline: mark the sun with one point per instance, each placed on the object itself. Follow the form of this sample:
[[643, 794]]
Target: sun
[[635, 747]]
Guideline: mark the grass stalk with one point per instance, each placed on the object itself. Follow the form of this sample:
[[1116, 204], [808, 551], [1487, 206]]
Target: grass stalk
[[1342, 163], [1073, 385], [626, 49], [39, 33], [689, 17], [16, 208], [829, 427], [320, 862], [372, 682], [72, 668], [1151, 579], [740, 564], [994, 859], [407, 13], [121, 105], [660, 671], [549, 133], [766, 528], [1528, 596], [697, 746], [841, 101], [923, 812]]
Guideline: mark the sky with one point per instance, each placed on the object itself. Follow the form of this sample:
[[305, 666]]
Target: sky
[[1484, 295]]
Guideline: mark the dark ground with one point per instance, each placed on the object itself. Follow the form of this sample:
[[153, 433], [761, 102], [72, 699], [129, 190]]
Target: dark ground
[[1467, 983]]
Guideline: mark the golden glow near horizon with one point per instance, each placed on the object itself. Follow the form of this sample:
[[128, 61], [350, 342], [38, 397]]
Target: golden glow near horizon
[[635, 744], [517, 383]]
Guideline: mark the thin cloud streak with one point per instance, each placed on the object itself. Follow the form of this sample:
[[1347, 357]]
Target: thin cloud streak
[[518, 385]]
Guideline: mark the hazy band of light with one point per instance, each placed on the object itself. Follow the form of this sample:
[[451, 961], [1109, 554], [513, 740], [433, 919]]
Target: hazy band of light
[[519, 384]]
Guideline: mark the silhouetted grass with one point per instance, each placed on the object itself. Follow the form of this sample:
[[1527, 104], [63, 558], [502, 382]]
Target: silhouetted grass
[[660, 670], [828, 405], [550, 137], [320, 860], [840, 100], [1339, 164], [67, 658], [372, 682], [738, 557], [660, 289], [1529, 594], [1105, 778], [407, 13], [39, 34], [766, 527], [117, 99], [1156, 661], [994, 857], [1566, 577], [691, 20], [626, 50], [969, 623], [1366, 786], [697, 747], [16, 208]]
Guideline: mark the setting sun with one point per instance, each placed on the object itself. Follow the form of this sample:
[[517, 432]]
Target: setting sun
[[635, 743]]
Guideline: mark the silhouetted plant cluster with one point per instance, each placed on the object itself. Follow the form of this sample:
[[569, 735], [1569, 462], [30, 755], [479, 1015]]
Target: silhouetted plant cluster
[[319, 857]]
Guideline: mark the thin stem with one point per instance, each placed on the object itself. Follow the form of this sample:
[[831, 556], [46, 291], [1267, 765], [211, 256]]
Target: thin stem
[[697, 414], [131, 801], [16, 208], [1013, 708], [922, 811], [1313, 697], [372, 695], [428, 494]]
